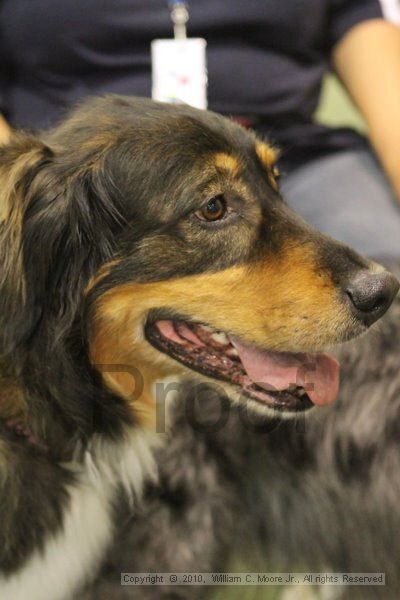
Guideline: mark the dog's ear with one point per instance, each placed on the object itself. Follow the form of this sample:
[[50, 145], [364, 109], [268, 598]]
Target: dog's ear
[[20, 162], [58, 223]]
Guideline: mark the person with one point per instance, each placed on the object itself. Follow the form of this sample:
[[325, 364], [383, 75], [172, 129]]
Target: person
[[266, 62]]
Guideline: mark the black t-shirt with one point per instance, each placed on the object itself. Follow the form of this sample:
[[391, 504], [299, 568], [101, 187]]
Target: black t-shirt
[[266, 58]]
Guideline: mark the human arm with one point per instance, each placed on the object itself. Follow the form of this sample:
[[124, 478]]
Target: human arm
[[367, 60], [5, 130]]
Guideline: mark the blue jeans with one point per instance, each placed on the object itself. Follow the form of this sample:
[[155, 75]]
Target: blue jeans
[[347, 196]]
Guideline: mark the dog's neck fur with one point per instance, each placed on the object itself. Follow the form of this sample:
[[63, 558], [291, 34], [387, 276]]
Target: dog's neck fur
[[101, 462], [100, 470], [62, 407]]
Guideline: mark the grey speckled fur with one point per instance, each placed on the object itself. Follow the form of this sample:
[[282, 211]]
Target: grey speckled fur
[[322, 495]]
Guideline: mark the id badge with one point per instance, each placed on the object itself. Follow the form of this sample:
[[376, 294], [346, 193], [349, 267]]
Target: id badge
[[179, 71]]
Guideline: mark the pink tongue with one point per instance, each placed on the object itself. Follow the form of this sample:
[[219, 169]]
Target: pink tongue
[[318, 374]]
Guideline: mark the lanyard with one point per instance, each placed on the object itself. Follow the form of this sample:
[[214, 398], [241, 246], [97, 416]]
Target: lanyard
[[179, 69], [180, 16]]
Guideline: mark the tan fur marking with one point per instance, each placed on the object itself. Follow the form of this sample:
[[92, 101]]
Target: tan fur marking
[[102, 272], [283, 304], [119, 350], [227, 162], [267, 154]]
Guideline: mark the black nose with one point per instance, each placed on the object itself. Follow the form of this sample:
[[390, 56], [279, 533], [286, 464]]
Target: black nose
[[370, 295]]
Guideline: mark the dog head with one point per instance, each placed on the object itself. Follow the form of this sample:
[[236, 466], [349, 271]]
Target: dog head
[[140, 241]]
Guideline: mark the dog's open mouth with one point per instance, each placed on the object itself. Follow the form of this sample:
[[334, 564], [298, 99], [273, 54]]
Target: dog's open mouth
[[282, 381]]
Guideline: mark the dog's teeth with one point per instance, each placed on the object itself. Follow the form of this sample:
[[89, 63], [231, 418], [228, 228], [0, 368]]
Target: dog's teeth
[[220, 338], [207, 328], [232, 352]]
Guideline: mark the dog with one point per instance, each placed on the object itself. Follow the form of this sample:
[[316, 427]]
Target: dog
[[145, 249]]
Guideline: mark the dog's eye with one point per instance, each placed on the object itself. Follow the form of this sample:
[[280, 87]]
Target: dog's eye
[[214, 210]]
